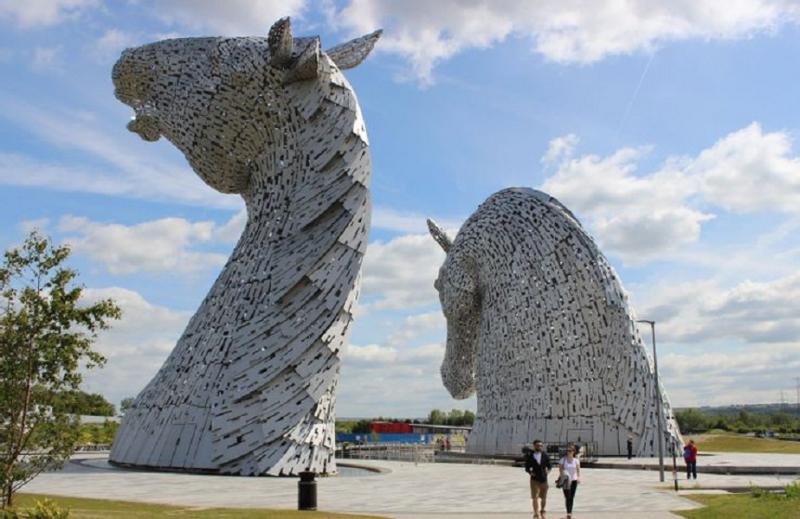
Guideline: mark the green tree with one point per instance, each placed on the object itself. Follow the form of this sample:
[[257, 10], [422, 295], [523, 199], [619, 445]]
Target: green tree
[[126, 404], [79, 402], [46, 335], [437, 417], [692, 421], [455, 417]]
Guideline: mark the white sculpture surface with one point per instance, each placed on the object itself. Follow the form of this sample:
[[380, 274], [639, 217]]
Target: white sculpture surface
[[539, 327], [250, 386]]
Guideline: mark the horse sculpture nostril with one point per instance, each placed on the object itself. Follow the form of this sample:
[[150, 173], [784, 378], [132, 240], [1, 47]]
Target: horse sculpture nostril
[[146, 127]]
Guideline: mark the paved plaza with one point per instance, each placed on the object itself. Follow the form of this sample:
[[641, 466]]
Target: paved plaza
[[403, 490]]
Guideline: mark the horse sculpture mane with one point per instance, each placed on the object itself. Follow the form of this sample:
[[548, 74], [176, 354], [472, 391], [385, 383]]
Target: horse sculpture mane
[[539, 327], [250, 386]]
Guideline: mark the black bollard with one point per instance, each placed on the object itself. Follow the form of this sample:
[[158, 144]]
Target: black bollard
[[307, 492]]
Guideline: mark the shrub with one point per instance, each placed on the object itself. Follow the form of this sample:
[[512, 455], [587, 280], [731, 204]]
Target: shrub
[[793, 490], [45, 509], [758, 492]]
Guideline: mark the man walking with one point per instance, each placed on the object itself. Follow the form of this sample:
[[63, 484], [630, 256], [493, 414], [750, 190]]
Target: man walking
[[537, 464]]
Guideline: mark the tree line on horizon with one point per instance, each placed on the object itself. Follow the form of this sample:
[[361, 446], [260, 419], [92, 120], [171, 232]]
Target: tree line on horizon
[[698, 421]]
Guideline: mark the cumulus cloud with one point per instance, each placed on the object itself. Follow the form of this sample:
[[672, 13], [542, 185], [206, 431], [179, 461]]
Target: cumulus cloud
[[641, 215], [135, 346], [163, 245], [109, 45], [42, 12], [372, 354], [753, 312], [749, 170], [563, 31], [560, 149], [405, 221], [129, 167], [637, 216], [751, 375], [400, 273], [230, 18], [44, 59]]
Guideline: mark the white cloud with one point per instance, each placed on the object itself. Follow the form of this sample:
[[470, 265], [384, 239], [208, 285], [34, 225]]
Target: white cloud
[[564, 31], [37, 224], [753, 375], [641, 216], [404, 221], [416, 325], [163, 245], [637, 216], [401, 272], [231, 230], [135, 346], [752, 312], [137, 169], [109, 45], [33, 13], [560, 149], [749, 170], [409, 357], [45, 59], [372, 354], [229, 18]]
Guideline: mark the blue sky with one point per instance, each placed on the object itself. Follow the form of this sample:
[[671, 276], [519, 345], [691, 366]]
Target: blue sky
[[669, 129]]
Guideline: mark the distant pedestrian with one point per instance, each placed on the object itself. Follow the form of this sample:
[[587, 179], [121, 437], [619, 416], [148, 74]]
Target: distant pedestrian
[[537, 464], [690, 457], [569, 474], [630, 447], [447, 443]]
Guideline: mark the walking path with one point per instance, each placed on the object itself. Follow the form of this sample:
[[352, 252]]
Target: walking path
[[717, 463], [429, 490]]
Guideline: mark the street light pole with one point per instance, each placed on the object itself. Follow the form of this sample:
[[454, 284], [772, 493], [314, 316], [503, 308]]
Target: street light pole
[[659, 413]]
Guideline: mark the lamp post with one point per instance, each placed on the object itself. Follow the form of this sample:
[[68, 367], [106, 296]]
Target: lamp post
[[658, 401]]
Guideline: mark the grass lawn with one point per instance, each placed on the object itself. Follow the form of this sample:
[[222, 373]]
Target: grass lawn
[[743, 506], [741, 443], [81, 508]]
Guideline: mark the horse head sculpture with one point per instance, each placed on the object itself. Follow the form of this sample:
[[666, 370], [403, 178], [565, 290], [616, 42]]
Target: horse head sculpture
[[539, 327], [250, 386]]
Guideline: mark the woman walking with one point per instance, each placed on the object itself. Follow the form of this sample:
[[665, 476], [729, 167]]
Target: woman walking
[[569, 474]]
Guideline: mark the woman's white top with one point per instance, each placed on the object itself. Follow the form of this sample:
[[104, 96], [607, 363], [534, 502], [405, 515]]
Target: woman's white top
[[570, 467]]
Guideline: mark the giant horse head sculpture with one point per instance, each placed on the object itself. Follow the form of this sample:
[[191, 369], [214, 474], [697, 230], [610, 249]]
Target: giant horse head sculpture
[[539, 327], [250, 386]]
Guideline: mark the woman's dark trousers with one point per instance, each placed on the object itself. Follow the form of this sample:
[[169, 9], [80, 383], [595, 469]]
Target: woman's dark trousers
[[691, 469], [569, 495]]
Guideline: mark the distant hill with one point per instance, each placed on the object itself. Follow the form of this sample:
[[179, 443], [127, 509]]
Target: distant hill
[[728, 410]]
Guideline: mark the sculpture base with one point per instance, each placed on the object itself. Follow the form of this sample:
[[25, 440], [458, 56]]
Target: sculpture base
[[507, 437], [212, 472]]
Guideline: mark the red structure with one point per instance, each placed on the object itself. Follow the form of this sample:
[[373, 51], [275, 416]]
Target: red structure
[[390, 427]]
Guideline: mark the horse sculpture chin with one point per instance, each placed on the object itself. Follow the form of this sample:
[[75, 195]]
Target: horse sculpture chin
[[250, 386], [539, 327]]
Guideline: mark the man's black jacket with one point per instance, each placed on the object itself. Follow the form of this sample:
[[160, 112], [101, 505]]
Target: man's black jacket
[[538, 471]]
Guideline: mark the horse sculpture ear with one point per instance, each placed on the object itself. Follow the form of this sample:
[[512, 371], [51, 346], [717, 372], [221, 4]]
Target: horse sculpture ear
[[281, 50], [440, 236], [350, 54], [307, 65], [280, 43]]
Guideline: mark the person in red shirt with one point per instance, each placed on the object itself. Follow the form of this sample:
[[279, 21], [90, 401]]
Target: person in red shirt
[[690, 457]]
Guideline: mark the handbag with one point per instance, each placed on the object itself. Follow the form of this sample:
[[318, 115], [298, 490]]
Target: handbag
[[562, 481]]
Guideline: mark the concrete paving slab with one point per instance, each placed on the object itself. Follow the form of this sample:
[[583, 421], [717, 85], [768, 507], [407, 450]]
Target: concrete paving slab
[[406, 490]]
